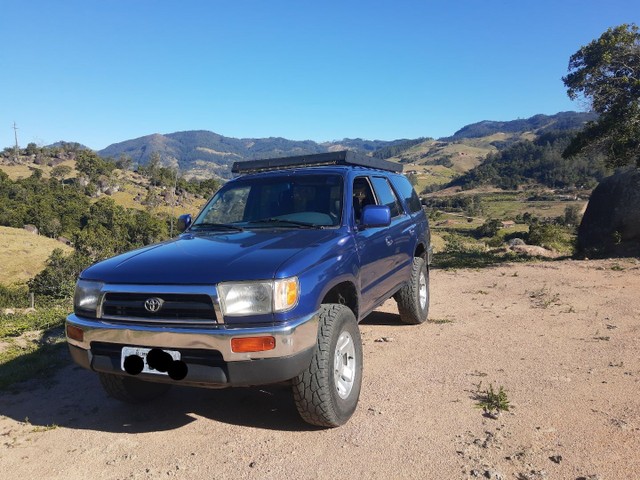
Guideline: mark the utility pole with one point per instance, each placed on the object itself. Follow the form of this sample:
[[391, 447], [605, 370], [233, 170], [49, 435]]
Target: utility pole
[[16, 151], [173, 202]]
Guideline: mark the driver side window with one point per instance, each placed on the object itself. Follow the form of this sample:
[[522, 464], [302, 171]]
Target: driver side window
[[362, 196]]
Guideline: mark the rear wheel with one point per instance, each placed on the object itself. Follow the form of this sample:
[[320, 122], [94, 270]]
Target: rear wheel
[[326, 394], [413, 298], [131, 390]]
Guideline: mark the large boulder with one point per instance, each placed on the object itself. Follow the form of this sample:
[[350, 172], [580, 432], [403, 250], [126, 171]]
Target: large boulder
[[611, 223]]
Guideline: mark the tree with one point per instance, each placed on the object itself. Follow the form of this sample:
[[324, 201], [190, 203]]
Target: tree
[[59, 172], [58, 279], [91, 165], [606, 73]]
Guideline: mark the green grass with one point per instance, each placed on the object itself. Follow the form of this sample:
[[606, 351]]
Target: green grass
[[36, 360], [31, 345], [41, 319]]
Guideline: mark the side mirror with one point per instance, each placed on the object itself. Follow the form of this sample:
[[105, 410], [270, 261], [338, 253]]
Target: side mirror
[[184, 222], [375, 216]]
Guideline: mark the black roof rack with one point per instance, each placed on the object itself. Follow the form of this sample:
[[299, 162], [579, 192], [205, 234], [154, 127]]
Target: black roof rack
[[344, 157]]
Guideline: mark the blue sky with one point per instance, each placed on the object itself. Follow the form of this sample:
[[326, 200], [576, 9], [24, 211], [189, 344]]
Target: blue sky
[[100, 72]]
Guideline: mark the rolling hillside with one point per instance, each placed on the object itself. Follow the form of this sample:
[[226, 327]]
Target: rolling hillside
[[23, 254], [204, 154]]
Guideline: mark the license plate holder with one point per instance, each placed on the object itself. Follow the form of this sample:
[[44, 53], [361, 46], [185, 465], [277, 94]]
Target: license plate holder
[[142, 352]]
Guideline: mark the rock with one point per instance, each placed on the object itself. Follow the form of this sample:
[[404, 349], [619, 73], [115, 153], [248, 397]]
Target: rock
[[516, 241], [492, 474], [31, 229], [611, 223], [384, 339], [556, 458]]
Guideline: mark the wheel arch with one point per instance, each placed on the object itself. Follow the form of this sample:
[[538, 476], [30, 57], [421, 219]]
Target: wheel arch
[[343, 293]]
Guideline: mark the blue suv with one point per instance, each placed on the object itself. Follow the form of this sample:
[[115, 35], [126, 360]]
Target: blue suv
[[267, 284]]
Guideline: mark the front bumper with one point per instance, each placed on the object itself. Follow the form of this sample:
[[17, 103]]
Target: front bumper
[[207, 352]]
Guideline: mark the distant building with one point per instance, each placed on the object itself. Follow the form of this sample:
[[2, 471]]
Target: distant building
[[508, 224]]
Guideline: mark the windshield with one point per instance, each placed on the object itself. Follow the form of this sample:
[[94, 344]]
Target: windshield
[[303, 201]]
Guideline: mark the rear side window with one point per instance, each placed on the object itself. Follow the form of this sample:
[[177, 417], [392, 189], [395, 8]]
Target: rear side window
[[386, 196], [406, 191]]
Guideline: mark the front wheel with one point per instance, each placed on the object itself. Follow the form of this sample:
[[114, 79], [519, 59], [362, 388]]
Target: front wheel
[[326, 394], [131, 390], [413, 298]]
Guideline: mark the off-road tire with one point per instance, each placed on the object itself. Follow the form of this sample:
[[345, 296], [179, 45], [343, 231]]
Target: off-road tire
[[131, 390], [413, 298], [319, 392]]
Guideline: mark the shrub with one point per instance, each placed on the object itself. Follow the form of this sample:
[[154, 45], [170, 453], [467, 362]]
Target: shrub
[[14, 296], [58, 279], [551, 236]]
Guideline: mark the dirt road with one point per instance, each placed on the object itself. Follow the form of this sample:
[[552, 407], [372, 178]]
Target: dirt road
[[562, 338]]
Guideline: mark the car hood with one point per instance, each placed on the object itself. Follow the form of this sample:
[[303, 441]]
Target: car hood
[[208, 258]]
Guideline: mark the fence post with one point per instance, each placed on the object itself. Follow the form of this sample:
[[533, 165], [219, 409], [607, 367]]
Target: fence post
[[32, 300]]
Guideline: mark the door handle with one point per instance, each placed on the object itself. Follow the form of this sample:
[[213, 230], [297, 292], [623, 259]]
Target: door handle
[[388, 241]]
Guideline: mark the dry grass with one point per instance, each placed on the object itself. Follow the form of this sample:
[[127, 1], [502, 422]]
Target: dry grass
[[16, 172], [23, 254]]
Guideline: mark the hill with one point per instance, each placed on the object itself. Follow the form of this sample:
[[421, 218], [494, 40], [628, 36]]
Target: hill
[[438, 162], [23, 254], [203, 154], [538, 124]]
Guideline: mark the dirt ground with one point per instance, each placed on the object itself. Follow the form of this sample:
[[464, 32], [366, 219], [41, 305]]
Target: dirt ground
[[562, 338]]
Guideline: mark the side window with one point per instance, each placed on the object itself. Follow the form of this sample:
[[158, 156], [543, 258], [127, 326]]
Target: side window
[[406, 191], [362, 196], [386, 196]]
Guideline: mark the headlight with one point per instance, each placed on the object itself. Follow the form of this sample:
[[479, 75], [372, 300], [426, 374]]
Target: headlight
[[257, 298], [86, 297]]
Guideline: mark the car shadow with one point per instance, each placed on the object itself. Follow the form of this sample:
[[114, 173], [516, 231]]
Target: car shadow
[[74, 398], [382, 318]]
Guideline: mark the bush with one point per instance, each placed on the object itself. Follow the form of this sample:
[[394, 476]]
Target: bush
[[489, 228], [14, 296], [58, 279], [554, 237]]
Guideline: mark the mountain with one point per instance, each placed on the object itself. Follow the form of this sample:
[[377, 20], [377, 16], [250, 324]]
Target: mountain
[[204, 154], [448, 157], [538, 123]]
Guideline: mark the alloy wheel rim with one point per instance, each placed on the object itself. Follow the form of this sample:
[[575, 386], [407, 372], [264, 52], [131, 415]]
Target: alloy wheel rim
[[344, 365], [422, 291]]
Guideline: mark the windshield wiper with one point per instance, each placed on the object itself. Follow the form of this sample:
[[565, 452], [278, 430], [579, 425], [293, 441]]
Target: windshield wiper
[[293, 223], [216, 226]]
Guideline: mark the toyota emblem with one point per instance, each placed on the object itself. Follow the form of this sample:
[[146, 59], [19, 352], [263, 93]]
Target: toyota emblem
[[153, 305]]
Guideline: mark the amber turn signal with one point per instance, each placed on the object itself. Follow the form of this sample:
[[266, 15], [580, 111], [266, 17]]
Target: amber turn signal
[[75, 333], [252, 344]]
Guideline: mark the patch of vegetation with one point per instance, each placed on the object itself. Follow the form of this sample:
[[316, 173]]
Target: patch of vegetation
[[34, 354], [14, 296], [43, 319], [553, 237], [539, 161], [440, 321], [492, 402], [543, 298], [475, 259]]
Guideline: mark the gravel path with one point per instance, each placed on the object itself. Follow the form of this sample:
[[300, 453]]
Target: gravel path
[[562, 338]]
